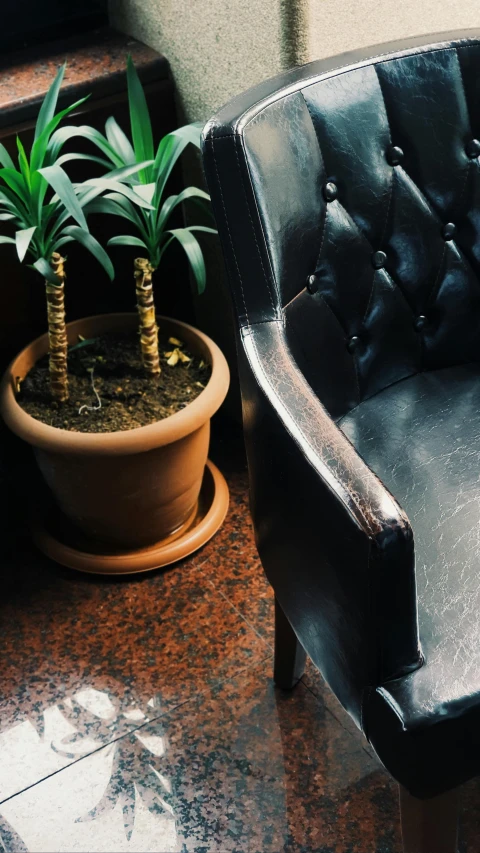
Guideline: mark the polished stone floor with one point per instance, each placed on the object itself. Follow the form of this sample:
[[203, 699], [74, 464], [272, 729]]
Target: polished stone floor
[[141, 715]]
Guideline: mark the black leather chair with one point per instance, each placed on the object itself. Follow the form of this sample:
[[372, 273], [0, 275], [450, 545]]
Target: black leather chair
[[347, 197]]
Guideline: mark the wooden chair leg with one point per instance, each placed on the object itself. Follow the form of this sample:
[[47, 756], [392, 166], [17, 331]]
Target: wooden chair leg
[[429, 826], [290, 655]]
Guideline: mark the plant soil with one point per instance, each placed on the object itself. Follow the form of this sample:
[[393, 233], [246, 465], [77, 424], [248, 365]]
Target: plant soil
[[111, 366]]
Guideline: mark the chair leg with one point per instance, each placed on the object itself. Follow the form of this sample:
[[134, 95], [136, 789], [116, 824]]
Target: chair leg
[[429, 826], [290, 655]]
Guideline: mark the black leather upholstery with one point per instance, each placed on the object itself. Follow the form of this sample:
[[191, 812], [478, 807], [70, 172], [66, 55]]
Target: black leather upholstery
[[422, 437], [347, 196]]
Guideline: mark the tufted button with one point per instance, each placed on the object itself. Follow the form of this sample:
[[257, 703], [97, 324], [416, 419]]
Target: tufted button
[[394, 155], [448, 231], [420, 323], [330, 191], [312, 283], [353, 343], [472, 148], [378, 260]]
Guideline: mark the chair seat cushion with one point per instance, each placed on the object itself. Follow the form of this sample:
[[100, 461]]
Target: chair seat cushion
[[421, 437]]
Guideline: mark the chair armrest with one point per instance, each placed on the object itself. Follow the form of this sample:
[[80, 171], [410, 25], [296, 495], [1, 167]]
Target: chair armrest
[[367, 501], [335, 544]]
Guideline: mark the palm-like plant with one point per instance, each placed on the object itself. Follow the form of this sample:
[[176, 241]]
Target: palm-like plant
[[43, 227], [146, 183]]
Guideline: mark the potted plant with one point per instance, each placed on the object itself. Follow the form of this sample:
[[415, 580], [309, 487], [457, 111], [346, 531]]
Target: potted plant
[[125, 453]]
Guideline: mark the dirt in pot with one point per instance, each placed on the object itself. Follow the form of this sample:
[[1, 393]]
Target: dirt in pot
[[109, 389]]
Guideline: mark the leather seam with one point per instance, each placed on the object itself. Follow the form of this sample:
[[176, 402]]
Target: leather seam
[[469, 164], [464, 187], [400, 290], [372, 290], [357, 377], [258, 323], [287, 305], [253, 227], [325, 301], [324, 231], [433, 213], [437, 277], [324, 228], [382, 238], [388, 699], [229, 232], [460, 71], [318, 78], [324, 224]]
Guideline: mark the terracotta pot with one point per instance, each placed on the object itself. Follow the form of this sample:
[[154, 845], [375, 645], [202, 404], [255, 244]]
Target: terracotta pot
[[132, 488]]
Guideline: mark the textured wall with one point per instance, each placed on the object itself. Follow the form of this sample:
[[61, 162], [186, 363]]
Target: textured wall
[[335, 26], [218, 48]]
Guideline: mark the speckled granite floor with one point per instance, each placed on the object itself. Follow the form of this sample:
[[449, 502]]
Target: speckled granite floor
[[141, 715]]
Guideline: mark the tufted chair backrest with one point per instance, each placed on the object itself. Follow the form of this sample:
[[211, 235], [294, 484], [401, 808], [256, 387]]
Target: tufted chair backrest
[[347, 193]]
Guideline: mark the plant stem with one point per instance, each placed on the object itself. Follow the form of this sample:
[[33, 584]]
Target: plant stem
[[57, 332], [146, 312]]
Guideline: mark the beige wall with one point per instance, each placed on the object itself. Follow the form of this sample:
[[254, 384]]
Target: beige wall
[[218, 48], [335, 26]]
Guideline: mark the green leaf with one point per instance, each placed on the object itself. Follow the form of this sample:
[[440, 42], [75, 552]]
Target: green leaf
[[7, 240], [201, 228], [44, 268], [23, 162], [39, 187], [129, 210], [127, 240], [172, 201], [61, 242], [103, 205], [63, 134], [5, 216], [15, 181], [127, 171], [40, 146], [61, 183], [93, 246], [116, 186], [47, 110], [112, 207], [119, 141], [194, 254], [65, 158], [86, 194], [139, 119], [23, 239], [171, 147], [60, 219], [145, 191], [182, 136], [81, 344], [9, 200], [12, 202], [121, 199], [5, 158]]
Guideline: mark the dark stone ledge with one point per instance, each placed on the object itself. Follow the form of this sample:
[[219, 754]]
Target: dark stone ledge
[[95, 65]]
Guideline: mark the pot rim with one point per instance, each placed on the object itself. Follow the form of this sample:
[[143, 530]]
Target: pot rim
[[137, 440]]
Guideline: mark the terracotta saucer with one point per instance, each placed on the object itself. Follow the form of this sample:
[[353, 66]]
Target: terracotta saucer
[[67, 547]]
